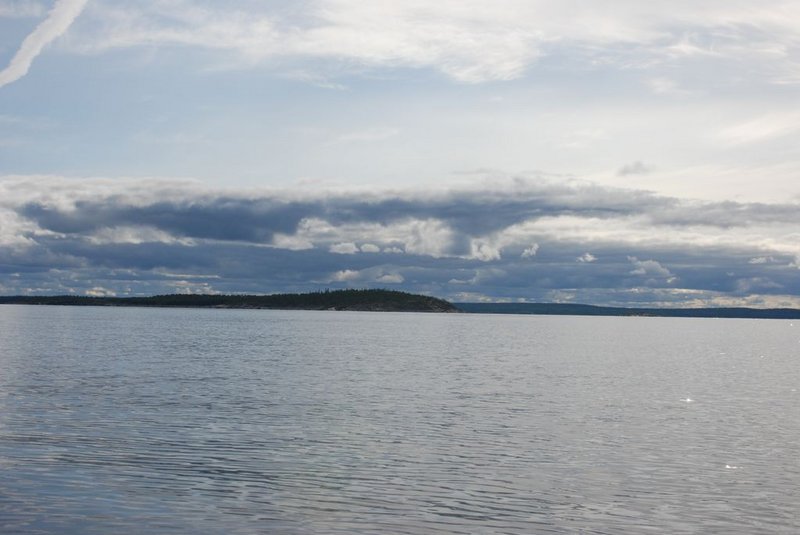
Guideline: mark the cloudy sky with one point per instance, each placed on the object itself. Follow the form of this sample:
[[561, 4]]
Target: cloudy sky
[[620, 152]]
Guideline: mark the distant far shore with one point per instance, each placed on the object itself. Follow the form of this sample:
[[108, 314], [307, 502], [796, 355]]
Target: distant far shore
[[391, 301], [565, 309]]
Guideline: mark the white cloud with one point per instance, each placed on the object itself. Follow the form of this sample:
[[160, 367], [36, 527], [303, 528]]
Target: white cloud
[[346, 275], [374, 274], [15, 231], [587, 258], [531, 251], [293, 243], [192, 287], [391, 278], [426, 237], [99, 291], [780, 239], [469, 40], [753, 284], [413, 236], [484, 250], [761, 260], [344, 248], [648, 268], [62, 15], [134, 235], [370, 248]]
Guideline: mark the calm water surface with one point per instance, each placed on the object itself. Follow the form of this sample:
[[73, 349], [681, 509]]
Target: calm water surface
[[121, 420]]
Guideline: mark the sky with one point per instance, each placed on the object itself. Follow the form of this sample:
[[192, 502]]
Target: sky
[[615, 153]]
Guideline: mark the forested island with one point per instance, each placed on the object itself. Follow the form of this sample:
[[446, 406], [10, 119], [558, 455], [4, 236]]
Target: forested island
[[357, 300]]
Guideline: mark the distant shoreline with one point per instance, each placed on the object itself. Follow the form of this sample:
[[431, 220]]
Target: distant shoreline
[[564, 309], [391, 301]]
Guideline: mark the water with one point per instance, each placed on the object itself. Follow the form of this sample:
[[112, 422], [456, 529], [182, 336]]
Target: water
[[117, 420]]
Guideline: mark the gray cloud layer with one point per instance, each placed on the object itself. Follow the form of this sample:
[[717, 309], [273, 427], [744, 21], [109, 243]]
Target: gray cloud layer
[[518, 239]]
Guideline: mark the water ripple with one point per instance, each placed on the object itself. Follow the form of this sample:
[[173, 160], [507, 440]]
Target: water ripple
[[300, 422]]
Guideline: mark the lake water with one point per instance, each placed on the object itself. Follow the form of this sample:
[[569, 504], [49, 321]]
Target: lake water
[[122, 420]]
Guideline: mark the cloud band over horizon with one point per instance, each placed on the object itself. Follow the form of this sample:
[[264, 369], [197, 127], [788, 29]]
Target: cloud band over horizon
[[515, 239]]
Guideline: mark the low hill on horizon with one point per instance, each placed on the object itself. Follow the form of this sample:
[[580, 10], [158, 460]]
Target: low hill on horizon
[[356, 300]]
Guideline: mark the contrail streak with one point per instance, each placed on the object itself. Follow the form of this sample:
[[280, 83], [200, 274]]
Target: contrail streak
[[59, 19]]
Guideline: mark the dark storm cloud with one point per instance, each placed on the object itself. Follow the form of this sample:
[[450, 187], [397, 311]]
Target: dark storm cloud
[[473, 212], [482, 211], [219, 219], [469, 212]]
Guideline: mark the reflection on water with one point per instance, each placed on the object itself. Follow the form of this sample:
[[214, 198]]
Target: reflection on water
[[200, 421]]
